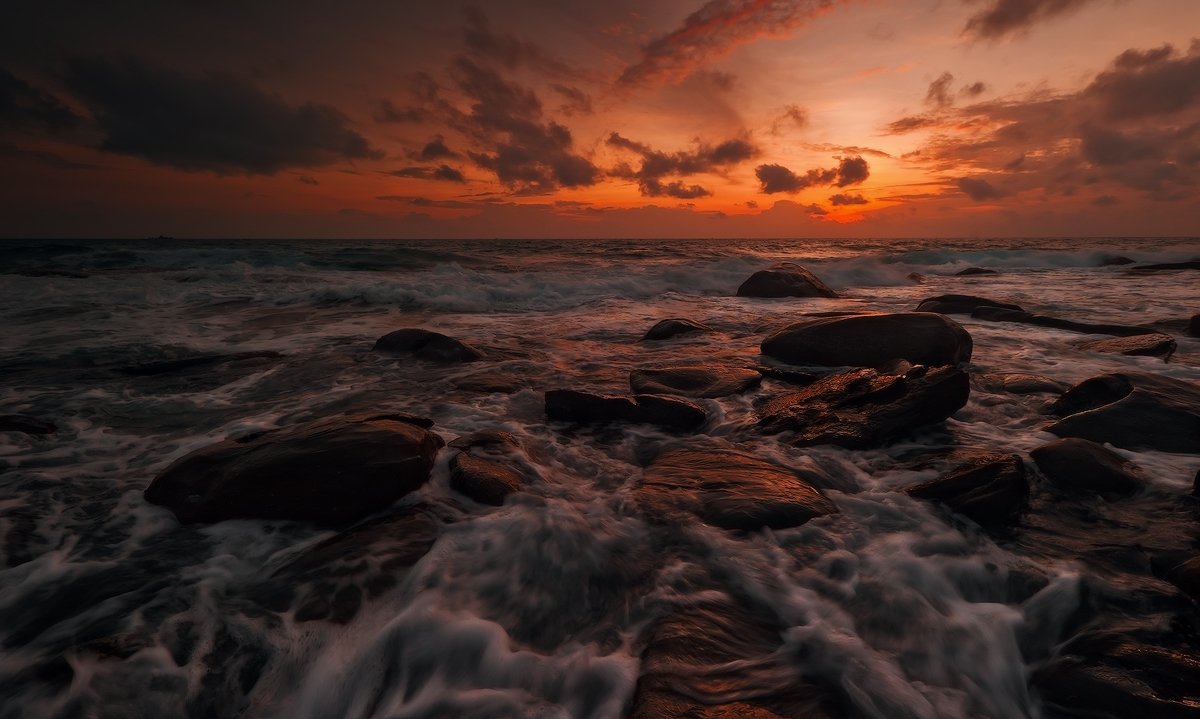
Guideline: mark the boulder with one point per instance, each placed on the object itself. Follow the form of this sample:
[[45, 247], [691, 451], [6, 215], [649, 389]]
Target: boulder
[[871, 340], [1193, 327], [1153, 344], [331, 471], [862, 408], [961, 304], [427, 345], [1133, 410], [730, 490], [784, 280], [568, 405], [693, 381], [667, 329], [1078, 464], [25, 423], [989, 489], [485, 480], [1115, 260], [973, 271], [999, 314]]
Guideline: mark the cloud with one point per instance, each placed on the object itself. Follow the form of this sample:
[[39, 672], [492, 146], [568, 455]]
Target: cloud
[[792, 115], [1006, 17], [23, 105], [435, 149], [656, 164], [975, 89], [979, 190], [507, 50], [214, 122], [575, 101], [777, 178], [308, 180], [716, 28], [387, 112], [1143, 84], [441, 172], [842, 199], [938, 94]]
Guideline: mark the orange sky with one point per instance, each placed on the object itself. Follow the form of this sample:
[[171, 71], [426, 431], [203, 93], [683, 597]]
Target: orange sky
[[728, 118]]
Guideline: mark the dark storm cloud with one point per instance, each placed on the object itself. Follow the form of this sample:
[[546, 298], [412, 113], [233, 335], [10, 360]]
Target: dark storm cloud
[[575, 101], [505, 119], [1153, 82], [441, 172], [656, 164], [842, 199], [213, 122], [979, 190], [939, 94], [435, 149], [777, 178], [717, 27], [655, 188], [1005, 17], [23, 105], [507, 50], [387, 112]]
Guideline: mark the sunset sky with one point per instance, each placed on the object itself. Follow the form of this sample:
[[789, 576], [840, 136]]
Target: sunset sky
[[563, 118]]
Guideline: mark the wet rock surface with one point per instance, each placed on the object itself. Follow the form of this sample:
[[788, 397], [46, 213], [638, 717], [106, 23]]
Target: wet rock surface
[[974, 272], [427, 345], [1147, 345], [666, 329], [1081, 465], [1019, 383], [693, 381], [1000, 314], [863, 408], [961, 304], [870, 340], [567, 405], [784, 280], [331, 471], [26, 424], [729, 489], [989, 489], [1132, 410]]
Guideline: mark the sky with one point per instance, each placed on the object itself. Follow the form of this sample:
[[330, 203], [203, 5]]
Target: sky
[[573, 119]]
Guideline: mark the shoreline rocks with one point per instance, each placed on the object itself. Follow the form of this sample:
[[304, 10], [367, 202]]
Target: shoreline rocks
[[785, 279], [1079, 464], [330, 471], [989, 489], [961, 304], [871, 340], [568, 405], [427, 345], [1133, 410], [693, 381], [999, 314], [1153, 344], [666, 329]]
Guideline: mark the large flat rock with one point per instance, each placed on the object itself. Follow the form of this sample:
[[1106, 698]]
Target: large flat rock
[[871, 340]]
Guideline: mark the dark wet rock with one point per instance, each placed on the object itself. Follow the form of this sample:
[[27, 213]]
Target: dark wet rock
[[568, 405], [789, 376], [484, 480], [870, 340], [694, 381], [1078, 464], [730, 490], [1115, 260], [25, 423], [1019, 383], [1133, 410], [989, 489], [1189, 265], [330, 471], [973, 271], [710, 658], [184, 364], [485, 438], [490, 382], [1193, 327], [999, 314], [667, 329], [1186, 576], [1147, 345], [333, 578], [862, 408], [916, 277], [1122, 679], [784, 280], [427, 345], [961, 304]]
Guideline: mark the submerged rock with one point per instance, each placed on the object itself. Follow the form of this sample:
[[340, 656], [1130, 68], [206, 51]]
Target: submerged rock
[[989, 489], [27, 424], [1193, 327], [1189, 265], [693, 381], [330, 471], [1000, 314], [1019, 383], [568, 405], [666, 329], [730, 490], [427, 345], [1121, 678], [1078, 464], [871, 340], [1133, 410], [1115, 260], [1154, 344], [961, 304], [484, 480], [183, 364], [784, 280], [972, 271], [862, 408]]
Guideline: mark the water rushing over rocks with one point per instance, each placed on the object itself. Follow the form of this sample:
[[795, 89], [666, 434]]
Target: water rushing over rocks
[[959, 558]]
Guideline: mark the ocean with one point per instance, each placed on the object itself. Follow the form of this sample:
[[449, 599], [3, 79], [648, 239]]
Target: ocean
[[549, 604]]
